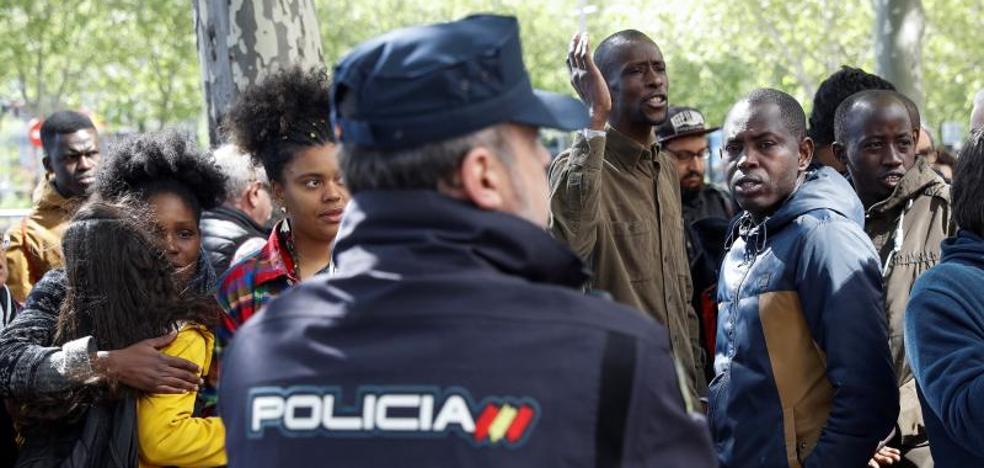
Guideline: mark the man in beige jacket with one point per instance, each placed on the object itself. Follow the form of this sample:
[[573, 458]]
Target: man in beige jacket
[[615, 197], [907, 216], [71, 153]]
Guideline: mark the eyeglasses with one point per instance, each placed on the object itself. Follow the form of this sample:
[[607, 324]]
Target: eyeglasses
[[685, 156]]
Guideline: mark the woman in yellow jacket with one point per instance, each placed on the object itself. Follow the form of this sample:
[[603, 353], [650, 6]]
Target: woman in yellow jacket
[[169, 434], [170, 177]]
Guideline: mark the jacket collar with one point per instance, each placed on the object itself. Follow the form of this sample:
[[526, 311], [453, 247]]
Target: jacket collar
[[626, 152], [48, 199], [204, 281], [822, 189], [275, 261], [414, 231], [915, 181], [235, 215], [966, 246]]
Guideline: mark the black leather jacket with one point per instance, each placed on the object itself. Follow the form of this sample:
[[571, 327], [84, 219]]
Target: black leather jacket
[[224, 229]]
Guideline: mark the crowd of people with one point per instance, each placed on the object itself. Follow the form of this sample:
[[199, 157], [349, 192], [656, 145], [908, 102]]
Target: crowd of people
[[386, 267]]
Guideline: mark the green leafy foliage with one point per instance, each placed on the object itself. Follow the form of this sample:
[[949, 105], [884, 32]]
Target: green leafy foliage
[[135, 62]]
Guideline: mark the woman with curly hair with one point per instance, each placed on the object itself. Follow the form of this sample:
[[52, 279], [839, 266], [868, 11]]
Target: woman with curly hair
[[284, 123], [168, 171], [122, 285]]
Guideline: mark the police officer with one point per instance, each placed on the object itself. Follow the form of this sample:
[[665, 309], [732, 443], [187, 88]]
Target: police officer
[[452, 332]]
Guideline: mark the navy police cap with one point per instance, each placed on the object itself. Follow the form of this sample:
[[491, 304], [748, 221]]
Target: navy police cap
[[430, 83]]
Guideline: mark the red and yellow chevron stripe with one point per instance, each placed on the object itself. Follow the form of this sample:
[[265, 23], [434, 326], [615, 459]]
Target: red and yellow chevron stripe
[[505, 421]]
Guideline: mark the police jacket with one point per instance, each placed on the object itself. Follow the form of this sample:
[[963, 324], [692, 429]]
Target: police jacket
[[803, 371], [452, 336]]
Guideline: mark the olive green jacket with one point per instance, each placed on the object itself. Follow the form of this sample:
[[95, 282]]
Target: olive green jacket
[[617, 205], [922, 202]]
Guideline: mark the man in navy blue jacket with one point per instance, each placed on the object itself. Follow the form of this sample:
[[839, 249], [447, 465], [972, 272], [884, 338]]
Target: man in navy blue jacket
[[452, 332], [944, 325], [803, 373]]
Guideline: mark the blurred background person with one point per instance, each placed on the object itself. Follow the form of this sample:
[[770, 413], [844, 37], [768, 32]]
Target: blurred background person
[[926, 146], [243, 216], [8, 306], [977, 114], [832, 91], [944, 164]]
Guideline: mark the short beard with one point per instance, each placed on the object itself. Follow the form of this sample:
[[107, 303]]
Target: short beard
[[689, 194]]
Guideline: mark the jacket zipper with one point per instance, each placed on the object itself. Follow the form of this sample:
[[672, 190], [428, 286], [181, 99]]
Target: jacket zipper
[[735, 304]]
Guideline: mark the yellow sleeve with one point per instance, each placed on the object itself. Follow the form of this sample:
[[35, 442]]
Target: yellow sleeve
[[167, 432], [18, 264]]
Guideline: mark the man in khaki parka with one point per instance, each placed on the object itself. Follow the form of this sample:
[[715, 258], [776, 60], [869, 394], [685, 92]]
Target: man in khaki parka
[[907, 216], [71, 153]]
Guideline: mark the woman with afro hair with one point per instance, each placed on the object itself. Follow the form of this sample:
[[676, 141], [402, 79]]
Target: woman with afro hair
[[284, 124], [169, 172], [73, 314]]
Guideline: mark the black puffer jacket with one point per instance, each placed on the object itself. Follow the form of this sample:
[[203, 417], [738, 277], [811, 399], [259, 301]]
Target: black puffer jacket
[[224, 229]]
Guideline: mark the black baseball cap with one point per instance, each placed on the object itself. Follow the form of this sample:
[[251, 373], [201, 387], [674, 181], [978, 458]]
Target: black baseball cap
[[682, 121], [430, 83]]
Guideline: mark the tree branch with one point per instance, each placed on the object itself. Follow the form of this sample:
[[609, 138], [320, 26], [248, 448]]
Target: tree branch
[[798, 71]]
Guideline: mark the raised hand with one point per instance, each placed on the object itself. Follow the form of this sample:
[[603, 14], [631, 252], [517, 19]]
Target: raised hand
[[588, 81]]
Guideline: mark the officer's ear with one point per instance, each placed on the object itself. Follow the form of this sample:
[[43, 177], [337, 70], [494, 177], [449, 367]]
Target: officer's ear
[[484, 179]]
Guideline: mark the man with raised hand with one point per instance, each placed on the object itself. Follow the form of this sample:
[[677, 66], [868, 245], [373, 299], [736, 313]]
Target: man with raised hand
[[615, 196]]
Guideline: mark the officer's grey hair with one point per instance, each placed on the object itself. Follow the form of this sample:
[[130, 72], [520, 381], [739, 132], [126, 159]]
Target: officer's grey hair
[[424, 167], [239, 169]]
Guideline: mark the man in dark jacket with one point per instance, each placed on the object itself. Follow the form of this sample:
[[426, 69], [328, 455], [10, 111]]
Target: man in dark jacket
[[240, 222], [804, 376], [453, 332], [944, 325]]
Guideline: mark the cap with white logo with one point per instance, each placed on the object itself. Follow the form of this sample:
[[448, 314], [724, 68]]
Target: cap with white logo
[[682, 121]]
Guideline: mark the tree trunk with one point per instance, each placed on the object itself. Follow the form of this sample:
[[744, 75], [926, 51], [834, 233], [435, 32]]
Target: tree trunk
[[242, 41], [899, 27]]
